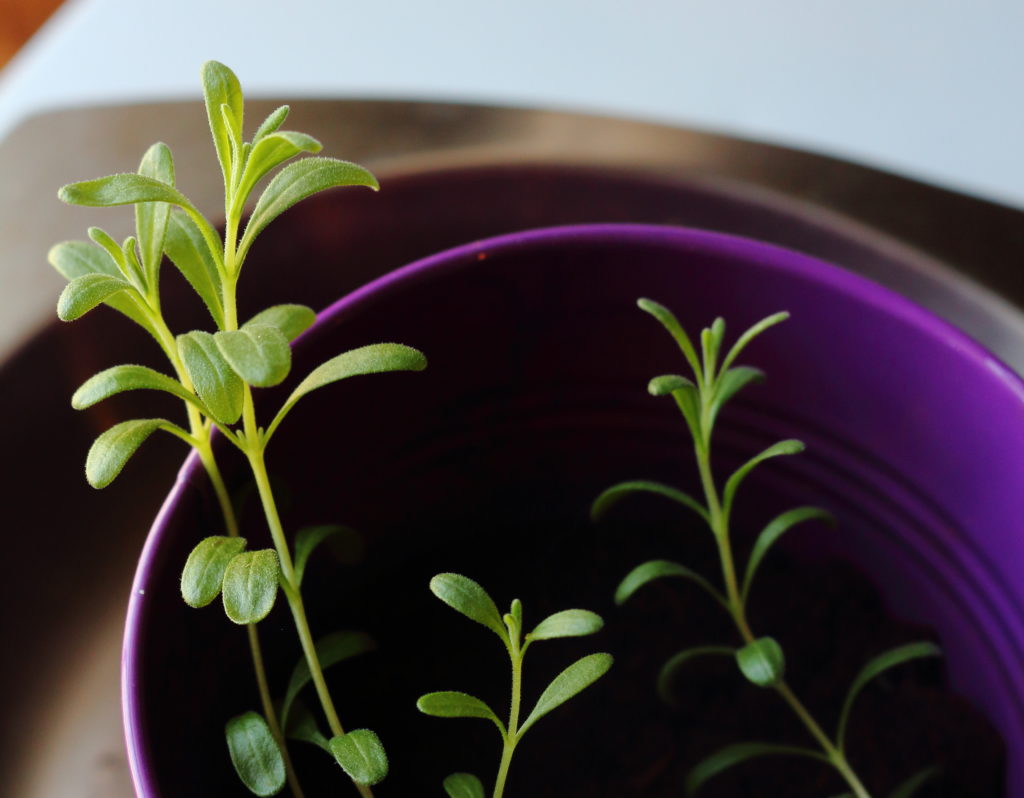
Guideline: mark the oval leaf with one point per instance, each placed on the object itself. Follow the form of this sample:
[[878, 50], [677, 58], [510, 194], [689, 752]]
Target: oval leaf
[[372, 359], [614, 494], [659, 569], [876, 666], [330, 650], [762, 662], [567, 623], [111, 450], [737, 754], [151, 217], [463, 785], [361, 755], [296, 182], [255, 754], [675, 329], [732, 382], [121, 189], [733, 483], [126, 378], [250, 585], [574, 679], [86, 292], [452, 704], [291, 320], [667, 383], [273, 121], [217, 384], [466, 596], [775, 529], [270, 151], [74, 259], [670, 670], [220, 88], [258, 353], [188, 251], [204, 569]]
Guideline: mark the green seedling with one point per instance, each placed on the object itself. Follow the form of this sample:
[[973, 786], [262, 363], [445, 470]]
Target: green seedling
[[214, 373], [466, 596], [760, 659]]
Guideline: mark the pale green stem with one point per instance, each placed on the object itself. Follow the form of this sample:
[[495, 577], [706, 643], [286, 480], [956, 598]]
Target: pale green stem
[[512, 732]]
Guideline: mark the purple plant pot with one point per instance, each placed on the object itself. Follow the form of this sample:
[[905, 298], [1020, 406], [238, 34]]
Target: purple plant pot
[[534, 401]]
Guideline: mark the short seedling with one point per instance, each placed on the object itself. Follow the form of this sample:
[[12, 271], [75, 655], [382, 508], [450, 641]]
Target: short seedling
[[760, 659], [469, 598], [214, 373]]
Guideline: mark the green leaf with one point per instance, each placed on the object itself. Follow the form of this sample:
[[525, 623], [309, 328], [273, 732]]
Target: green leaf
[[121, 189], [464, 595], [915, 782], [670, 670], [750, 335], [112, 449], [372, 359], [762, 662], [659, 569], [666, 384], [151, 217], [221, 87], [258, 353], [308, 538], [115, 252], [463, 785], [270, 151], [733, 483], [567, 623], [255, 754], [86, 292], [688, 401], [73, 259], [874, 667], [216, 383], [573, 680], [775, 529], [732, 382], [188, 251], [330, 650], [250, 585], [204, 569], [612, 495], [291, 320], [710, 342], [361, 755], [736, 754], [301, 725], [273, 121], [453, 704], [671, 323], [296, 182], [117, 379]]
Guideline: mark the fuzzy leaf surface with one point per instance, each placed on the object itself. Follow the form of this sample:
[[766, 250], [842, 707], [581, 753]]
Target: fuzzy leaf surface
[[775, 529], [737, 754], [610, 497], [258, 353], [762, 662], [113, 448], [659, 569], [117, 379], [463, 785], [570, 682], [74, 259], [187, 250], [86, 292], [216, 383], [204, 569], [151, 217], [291, 320], [121, 189], [296, 182], [567, 623], [250, 585], [221, 87], [255, 754], [361, 756], [464, 595], [273, 121], [453, 704], [272, 150], [875, 667], [330, 649]]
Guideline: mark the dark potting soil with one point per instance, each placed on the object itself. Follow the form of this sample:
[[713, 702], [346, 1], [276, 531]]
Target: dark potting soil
[[618, 738]]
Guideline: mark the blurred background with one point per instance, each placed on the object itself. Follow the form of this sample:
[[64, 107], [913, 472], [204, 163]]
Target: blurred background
[[893, 127]]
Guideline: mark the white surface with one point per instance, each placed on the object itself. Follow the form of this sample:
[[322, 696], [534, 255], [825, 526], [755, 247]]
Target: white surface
[[928, 88]]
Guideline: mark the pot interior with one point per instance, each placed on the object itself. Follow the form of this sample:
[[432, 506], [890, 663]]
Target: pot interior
[[534, 401]]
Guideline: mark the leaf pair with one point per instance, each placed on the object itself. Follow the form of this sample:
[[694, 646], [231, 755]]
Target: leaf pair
[[248, 580]]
